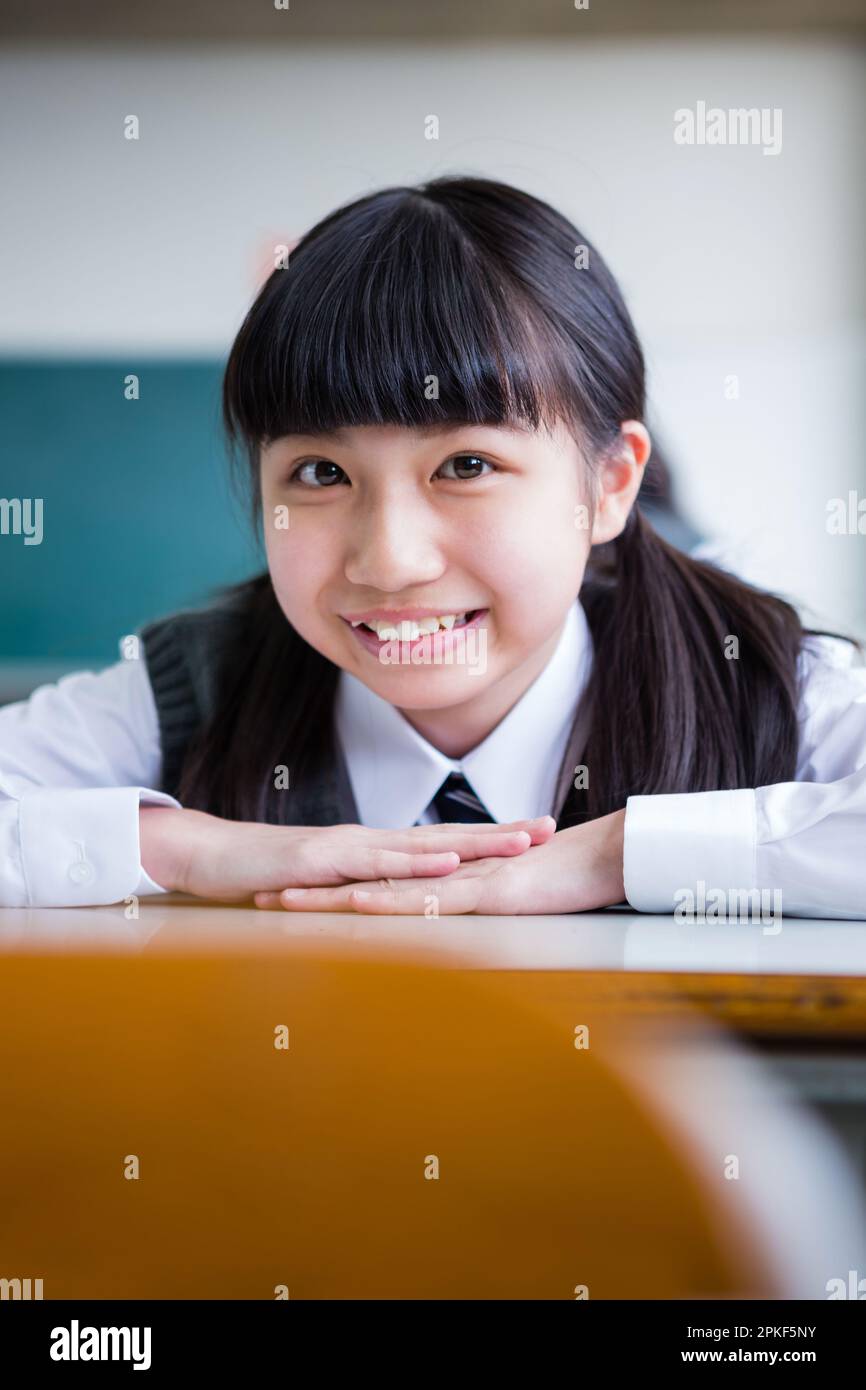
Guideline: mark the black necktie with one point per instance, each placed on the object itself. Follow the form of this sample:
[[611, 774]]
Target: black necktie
[[456, 801]]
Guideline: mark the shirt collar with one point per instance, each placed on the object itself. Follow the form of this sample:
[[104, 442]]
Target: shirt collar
[[395, 772]]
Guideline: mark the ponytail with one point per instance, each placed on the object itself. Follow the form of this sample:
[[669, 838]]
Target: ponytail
[[694, 684]]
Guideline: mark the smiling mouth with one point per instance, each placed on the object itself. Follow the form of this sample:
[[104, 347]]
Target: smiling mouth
[[411, 630]]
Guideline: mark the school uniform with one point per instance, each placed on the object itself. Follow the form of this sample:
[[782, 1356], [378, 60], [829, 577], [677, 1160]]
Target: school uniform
[[79, 757]]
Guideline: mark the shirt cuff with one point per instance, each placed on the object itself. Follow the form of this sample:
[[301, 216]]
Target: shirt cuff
[[679, 846], [80, 847]]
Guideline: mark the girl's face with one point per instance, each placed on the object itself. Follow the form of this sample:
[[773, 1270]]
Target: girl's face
[[389, 526]]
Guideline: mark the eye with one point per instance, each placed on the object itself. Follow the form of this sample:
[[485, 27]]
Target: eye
[[325, 474], [470, 462]]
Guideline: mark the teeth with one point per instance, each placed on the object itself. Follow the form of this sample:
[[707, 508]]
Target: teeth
[[409, 631]]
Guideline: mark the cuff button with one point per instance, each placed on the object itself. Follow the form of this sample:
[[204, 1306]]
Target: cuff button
[[82, 872]]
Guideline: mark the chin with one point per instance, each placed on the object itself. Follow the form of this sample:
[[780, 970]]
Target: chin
[[407, 691]]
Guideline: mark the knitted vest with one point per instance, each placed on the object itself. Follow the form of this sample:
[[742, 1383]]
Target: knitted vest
[[183, 655]]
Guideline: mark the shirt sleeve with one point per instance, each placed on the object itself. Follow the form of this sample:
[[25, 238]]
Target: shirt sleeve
[[800, 845], [77, 759]]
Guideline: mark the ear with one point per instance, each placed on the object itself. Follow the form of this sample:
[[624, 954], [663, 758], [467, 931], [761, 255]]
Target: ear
[[618, 480]]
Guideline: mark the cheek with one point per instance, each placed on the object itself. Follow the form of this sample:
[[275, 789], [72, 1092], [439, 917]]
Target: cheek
[[535, 562], [300, 567]]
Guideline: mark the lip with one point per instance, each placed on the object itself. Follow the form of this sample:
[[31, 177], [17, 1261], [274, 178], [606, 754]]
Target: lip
[[439, 642], [401, 615]]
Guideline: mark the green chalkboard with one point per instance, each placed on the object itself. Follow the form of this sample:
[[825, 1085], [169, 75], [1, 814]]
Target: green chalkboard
[[138, 514]]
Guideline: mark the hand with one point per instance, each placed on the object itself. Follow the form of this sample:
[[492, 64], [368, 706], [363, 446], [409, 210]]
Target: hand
[[575, 870], [228, 860]]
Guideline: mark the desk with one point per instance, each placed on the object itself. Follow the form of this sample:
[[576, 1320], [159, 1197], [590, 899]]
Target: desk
[[795, 990], [795, 993], [794, 979]]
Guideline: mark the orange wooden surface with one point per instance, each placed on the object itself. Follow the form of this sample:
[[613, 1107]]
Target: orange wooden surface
[[305, 1167]]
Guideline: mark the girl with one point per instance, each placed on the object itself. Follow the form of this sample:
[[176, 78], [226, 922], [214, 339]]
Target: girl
[[440, 402]]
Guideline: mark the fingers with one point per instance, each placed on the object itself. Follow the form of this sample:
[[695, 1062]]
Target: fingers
[[369, 863], [451, 897], [270, 902], [479, 827], [492, 844], [388, 854], [538, 825], [413, 897], [485, 840], [307, 899]]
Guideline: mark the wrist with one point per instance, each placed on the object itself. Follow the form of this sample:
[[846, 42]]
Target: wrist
[[616, 853], [165, 844], [608, 840], [595, 862]]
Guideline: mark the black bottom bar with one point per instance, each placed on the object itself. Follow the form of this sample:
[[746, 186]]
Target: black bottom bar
[[227, 1337]]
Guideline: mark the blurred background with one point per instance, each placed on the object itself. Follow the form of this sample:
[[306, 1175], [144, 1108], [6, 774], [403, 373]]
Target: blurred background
[[744, 272]]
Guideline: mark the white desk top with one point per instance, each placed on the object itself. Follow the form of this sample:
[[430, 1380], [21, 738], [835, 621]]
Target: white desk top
[[610, 940]]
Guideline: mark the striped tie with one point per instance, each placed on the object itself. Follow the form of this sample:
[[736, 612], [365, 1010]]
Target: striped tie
[[456, 801]]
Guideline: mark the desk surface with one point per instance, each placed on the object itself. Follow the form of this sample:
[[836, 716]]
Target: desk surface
[[611, 940], [793, 977]]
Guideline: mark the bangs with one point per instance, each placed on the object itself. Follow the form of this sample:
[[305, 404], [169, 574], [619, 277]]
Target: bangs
[[391, 313]]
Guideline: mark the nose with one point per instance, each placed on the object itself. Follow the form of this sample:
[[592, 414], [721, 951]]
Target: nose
[[393, 548]]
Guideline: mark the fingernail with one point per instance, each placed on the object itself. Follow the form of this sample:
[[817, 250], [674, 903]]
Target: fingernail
[[359, 893], [294, 892]]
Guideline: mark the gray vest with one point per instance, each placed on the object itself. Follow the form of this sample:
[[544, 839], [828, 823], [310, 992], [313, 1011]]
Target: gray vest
[[183, 654]]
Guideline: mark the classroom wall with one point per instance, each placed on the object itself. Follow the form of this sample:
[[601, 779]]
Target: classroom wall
[[138, 513], [120, 253]]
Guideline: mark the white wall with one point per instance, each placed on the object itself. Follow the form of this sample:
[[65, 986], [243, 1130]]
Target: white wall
[[733, 262]]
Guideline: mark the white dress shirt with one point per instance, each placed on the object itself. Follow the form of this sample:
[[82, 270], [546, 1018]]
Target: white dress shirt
[[79, 757]]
